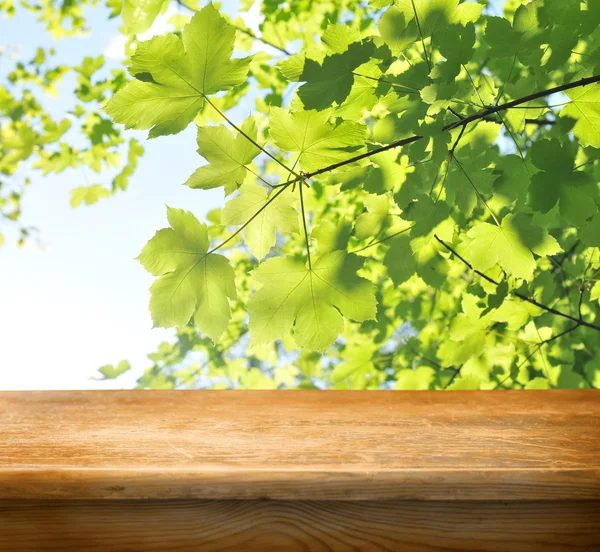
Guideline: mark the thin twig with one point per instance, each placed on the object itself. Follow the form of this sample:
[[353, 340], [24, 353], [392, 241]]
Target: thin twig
[[407, 89], [251, 140], [274, 196], [453, 377], [528, 98], [459, 164], [421, 34], [383, 240]]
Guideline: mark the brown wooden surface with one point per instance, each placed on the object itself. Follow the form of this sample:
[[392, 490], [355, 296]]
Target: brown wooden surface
[[293, 526], [304, 445]]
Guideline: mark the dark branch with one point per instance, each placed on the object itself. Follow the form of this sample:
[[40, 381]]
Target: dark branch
[[578, 321], [461, 122], [525, 99]]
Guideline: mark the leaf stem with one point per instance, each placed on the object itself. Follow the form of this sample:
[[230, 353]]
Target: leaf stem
[[251, 140], [304, 224], [421, 34], [383, 239], [260, 39], [460, 166], [407, 89], [272, 198]]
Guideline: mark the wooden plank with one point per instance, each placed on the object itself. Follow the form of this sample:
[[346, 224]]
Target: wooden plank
[[304, 445], [259, 526]]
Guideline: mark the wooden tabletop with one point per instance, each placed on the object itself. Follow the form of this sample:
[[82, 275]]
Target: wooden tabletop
[[310, 445]]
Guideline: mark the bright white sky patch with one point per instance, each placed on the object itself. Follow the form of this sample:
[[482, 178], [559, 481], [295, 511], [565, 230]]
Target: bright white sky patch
[[116, 47]]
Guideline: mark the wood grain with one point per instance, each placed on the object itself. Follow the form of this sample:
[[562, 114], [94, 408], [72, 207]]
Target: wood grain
[[262, 526], [301, 445]]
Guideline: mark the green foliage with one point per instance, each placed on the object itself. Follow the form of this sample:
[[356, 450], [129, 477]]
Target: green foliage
[[174, 77], [191, 278], [311, 299], [259, 235], [415, 198], [311, 134], [110, 371], [227, 157], [510, 244]]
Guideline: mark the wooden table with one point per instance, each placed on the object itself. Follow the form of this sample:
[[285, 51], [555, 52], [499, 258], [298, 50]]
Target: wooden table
[[299, 470]]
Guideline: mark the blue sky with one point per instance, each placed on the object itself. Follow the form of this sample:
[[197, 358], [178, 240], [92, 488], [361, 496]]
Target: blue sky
[[82, 301]]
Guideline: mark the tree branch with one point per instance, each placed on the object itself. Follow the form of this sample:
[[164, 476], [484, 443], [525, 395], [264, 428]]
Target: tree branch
[[525, 99], [578, 321], [462, 122]]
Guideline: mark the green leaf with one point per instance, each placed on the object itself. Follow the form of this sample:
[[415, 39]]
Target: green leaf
[[138, 15], [456, 43], [312, 301], [595, 292], [399, 260], [331, 236], [465, 180], [502, 38], [338, 37], [369, 224], [435, 15], [465, 383], [260, 233], [358, 362], [309, 133], [590, 234], [88, 195], [331, 81], [190, 277], [538, 383], [573, 190], [419, 379], [514, 176], [121, 180], [228, 156], [385, 174], [173, 77], [510, 245], [585, 109], [515, 313], [520, 39], [468, 330], [112, 372]]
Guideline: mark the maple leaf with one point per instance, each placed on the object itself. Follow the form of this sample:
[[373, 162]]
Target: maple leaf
[[318, 142], [311, 300], [228, 156], [510, 245], [191, 279], [260, 233], [173, 76]]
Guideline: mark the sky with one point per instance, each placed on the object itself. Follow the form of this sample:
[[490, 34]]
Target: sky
[[81, 301]]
